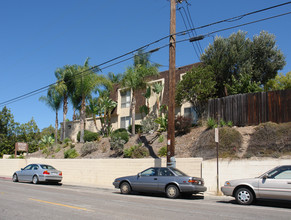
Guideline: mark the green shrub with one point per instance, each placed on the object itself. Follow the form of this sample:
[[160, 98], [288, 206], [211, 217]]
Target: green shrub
[[161, 138], [183, 125], [120, 133], [119, 130], [222, 123], [211, 123], [88, 148], [136, 152], [117, 144], [162, 151], [89, 136], [138, 128], [229, 124], [71, 153], [149, 124], [67, 140], [58, 149]]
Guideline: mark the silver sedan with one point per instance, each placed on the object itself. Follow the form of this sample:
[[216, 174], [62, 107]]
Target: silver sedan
[[167, 180], [36, 173], [274, 184]]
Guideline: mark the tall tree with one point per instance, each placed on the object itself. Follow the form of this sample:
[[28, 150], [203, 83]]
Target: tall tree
[[8, 129], [86, 81], [280, 82], [64, 77], [196, 87], [234, 57], [135, 78], [53, 100]]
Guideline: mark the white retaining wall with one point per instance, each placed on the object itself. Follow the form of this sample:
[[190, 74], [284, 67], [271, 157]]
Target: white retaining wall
[[102, 172]]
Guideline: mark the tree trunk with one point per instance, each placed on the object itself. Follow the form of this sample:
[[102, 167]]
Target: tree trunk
[[65, 111], [133, 114], [56, 128], [82, 120]]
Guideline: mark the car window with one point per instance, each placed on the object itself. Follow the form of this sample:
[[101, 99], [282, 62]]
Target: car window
[[47, 167], [165, 172], [284, 175], [280, 173], [178, 172], [35, 167], [28, 167], [150, 172]]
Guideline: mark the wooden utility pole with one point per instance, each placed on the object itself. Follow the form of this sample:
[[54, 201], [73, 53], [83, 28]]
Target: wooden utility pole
[[172, 85]]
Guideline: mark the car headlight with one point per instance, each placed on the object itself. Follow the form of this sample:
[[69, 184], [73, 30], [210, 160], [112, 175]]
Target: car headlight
[[227, 183]]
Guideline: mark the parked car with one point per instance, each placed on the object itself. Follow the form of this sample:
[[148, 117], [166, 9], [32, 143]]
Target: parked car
[[274, 184], [36, 173], [167, 180]]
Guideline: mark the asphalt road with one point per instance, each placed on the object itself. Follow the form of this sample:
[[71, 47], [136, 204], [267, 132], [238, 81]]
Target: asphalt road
[[44, 201]]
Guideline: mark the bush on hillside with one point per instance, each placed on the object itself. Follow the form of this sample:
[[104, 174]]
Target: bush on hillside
[[70, 154], [89, 136], [88, 148], [138, 128], [230, 141], [183, 125], [270, 140]]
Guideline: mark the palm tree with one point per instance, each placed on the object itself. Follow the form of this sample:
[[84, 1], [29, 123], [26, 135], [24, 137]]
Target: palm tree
[[107, 105], [158, 88], [134, 78], [63, 86], [86, 81], [94, 108], [53, 100]]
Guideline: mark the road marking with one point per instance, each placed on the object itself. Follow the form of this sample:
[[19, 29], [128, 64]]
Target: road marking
[[59, 204]]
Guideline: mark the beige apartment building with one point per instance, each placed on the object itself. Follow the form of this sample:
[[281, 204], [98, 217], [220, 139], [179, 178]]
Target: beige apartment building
[[121, 117]]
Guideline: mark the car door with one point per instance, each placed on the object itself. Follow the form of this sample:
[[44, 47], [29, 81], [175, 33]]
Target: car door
[[165, 176], [24, 173], [277, 185], [146, 181]]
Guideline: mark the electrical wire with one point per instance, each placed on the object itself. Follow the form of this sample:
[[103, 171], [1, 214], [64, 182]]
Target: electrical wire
[[37, 91]]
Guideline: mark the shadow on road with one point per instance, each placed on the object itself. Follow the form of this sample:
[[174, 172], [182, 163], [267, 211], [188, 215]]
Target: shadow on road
[[161, 195], [264, 203]]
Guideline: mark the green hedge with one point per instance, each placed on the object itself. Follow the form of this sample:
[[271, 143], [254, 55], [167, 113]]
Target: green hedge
[[89, 136]]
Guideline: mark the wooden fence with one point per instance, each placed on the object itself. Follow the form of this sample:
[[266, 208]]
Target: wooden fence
[[252, 108]]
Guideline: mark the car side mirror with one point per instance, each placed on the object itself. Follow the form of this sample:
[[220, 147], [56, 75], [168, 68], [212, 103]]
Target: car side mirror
[[22, 168], [138, 174], [266, 176]]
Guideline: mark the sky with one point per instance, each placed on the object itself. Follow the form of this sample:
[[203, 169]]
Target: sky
[[37, 37]]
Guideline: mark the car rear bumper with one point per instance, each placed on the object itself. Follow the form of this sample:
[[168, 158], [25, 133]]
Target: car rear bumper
[[227, 190], [192, 188], [50, 178]]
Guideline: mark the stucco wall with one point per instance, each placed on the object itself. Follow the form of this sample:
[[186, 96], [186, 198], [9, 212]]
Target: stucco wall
[[101, 172]]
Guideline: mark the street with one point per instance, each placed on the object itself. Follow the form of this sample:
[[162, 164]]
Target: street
[[46, 201]]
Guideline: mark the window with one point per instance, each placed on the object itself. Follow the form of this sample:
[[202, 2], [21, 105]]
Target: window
[[150, 172], [125, 98], [188, 112], [165, 172], [125, 122]]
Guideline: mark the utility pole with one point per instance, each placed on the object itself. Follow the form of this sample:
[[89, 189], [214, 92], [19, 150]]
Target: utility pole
[[172, 85]]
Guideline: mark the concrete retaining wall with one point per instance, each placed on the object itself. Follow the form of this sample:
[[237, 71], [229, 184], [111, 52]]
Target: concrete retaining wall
[[102, 172], [99, 172]]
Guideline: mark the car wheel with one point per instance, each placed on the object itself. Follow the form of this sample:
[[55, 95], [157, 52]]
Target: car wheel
[[172, 192], [35, 179], [244, 196], [125, 188], [15, 178]]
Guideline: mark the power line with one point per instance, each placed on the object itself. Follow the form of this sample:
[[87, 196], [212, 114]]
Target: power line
[[37, 91]]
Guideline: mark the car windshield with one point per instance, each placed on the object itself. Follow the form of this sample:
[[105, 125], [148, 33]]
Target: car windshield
[[178, 172], [47, 167]]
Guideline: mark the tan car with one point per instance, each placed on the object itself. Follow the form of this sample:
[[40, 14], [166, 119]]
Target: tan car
[[274, 184]]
